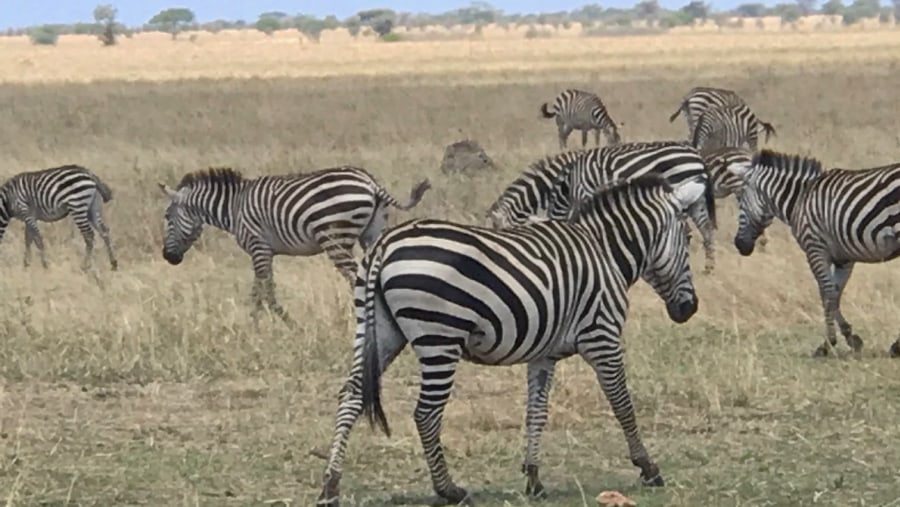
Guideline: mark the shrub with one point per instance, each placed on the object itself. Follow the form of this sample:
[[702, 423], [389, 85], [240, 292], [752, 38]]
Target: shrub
[[44, 36]]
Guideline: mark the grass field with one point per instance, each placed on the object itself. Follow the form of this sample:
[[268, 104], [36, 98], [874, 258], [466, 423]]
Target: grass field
[[151, 386]]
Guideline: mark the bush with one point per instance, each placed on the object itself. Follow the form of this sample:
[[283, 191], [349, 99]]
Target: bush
[[391, 37], [44, 36]]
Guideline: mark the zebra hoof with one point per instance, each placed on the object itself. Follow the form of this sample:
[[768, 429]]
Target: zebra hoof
[[455, 495], [333, 502], [855, 342], [656, 481], [821, 351], [894, 351]]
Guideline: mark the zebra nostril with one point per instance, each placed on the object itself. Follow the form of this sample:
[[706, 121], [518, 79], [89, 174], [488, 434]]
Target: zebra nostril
[[172, 258]]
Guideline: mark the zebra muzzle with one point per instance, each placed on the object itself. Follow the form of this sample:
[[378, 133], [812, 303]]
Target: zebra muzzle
[[681, 311], [172, 258]]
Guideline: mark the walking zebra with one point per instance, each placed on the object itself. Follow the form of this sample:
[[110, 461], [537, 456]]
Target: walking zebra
[[734, 126], [676, 161], [701, 98], [723, 165], [532, 294], [294, 214], [584, 111], [52, 194], [838, 217]]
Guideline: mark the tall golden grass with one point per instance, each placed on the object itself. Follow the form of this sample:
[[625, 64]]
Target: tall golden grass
[[152, 386]]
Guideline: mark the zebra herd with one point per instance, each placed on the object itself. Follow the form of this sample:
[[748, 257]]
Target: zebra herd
[[545, 277]]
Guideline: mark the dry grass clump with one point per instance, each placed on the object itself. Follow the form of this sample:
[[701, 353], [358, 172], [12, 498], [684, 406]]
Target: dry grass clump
[[152, 386]]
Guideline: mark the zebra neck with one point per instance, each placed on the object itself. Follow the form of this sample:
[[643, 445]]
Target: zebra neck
[[218, 213], [787, 196]]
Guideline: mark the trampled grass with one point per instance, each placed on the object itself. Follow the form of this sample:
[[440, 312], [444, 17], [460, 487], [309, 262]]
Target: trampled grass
[[151, 386]]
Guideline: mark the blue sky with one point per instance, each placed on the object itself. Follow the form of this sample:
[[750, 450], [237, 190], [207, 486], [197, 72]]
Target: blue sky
[[20, 13]]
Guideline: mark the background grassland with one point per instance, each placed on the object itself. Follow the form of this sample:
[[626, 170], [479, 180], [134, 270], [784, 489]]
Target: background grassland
[[150, 386]]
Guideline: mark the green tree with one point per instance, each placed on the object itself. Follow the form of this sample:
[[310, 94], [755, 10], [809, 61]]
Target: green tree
[[648, 9], [105, 16], [381, 21], [806, 7], [754, 10], [697, 9], [172, 20], [267, 24], [44, 35], [833, 7]]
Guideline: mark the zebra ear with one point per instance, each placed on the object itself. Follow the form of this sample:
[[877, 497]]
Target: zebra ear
[[687, 193], [168, 191]]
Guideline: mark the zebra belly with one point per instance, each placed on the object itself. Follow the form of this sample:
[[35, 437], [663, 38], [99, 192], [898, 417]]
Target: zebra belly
[[302, 249]]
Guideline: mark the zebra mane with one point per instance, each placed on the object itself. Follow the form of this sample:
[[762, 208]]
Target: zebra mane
[[648, 181], [225, 175], [787, 163]]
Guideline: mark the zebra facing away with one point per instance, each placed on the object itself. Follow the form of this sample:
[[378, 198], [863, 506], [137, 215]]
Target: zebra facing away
[[532, 294], [723, 165], [839, 217], [734, 126], [701, 98], [52, 194], [584, 111], [676, 161], [294, 214]]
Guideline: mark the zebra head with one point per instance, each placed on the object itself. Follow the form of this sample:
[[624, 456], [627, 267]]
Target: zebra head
[[644, 221], [183, 227], [528, 196]]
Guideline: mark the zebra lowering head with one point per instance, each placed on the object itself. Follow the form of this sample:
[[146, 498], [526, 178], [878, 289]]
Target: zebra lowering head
[[769, 180], [185, 214], [528, 197], [659, 252]]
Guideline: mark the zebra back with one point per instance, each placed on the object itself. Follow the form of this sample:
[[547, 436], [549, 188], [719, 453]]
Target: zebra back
[[734, 125], [581, 108], [701, 98]]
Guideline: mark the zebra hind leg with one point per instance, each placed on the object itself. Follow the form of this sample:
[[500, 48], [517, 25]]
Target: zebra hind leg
[[36, 238], [700, 217], [540, 377], [84, 226], [840, 276], [28, 240], [103, 230], [894, 351], [437, 369]]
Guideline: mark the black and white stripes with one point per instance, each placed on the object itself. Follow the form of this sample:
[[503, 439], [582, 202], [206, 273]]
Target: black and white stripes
[[838, 217], [296, 214], [729, 126], [532, 294], [701, 98], [52, 194], [584, 111]]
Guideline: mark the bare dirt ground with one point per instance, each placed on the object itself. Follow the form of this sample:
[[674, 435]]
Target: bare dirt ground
[[151, 386]]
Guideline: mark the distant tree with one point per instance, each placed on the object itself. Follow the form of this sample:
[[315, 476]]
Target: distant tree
[[281, 16], [754, 10], [105, 16], [833, 7], [789, 13], [353, 25], [896, 4], [381, 21], [313, 27], [267, 24], [648, 9], [588, 13], [861, 9], [806, 7], [697, 9], [172, 20], [44, 35]]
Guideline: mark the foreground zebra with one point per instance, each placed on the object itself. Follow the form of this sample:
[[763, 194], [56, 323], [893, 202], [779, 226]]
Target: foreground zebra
[[701, 98], [724, 165], [839, 217], [52, 194], [532, 294], [735, 126], [295, 214], [584, 111], [676, 161]]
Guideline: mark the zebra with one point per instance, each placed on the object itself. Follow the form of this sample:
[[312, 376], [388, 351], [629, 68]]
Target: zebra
[[723, 165], [49, 195], [839, 217], [584, 111], [535, 294], [293, 214], [701, 98], [677, 161], [733, 126]]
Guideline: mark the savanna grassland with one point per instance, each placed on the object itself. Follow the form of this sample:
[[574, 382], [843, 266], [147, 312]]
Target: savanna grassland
[[151, 385]]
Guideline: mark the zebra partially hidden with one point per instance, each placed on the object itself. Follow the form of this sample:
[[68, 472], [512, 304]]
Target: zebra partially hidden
[[52, 194], [729, 126], [700, 98], [534, 294], [724, 166], [584, 111], [839, 217], [299, 214]]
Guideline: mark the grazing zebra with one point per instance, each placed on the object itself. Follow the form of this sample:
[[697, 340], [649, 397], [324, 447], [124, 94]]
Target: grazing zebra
[[532, 294], [723, 165], [584, 111], [838, 217], [295, 214], [52, 194], [529, 196], [701, 98], [734, 126], [676, 161]]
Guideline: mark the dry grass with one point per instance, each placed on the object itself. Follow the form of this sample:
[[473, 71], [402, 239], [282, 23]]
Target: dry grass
[[150, 386]]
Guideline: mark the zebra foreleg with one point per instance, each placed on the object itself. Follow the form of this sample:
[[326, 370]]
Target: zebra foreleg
[[103, 230], [821, 269], [32, 232], [700, 216], [610, 370], [268, 294], [540, 377]]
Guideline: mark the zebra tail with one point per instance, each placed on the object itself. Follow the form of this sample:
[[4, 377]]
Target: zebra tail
[[768, 128], [105, 192], [709, 196], [677, 112], [545, 111], [415, 195], [372, 370]]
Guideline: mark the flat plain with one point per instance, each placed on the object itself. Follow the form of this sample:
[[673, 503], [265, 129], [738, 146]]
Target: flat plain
[[151, 385]]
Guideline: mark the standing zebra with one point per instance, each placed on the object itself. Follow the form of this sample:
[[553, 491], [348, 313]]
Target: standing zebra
[[532, 294], [701, 98], [838, 217], [724, 165], [295, 214], [676, 161], [52, 194], [584, 111], [729, 126]]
